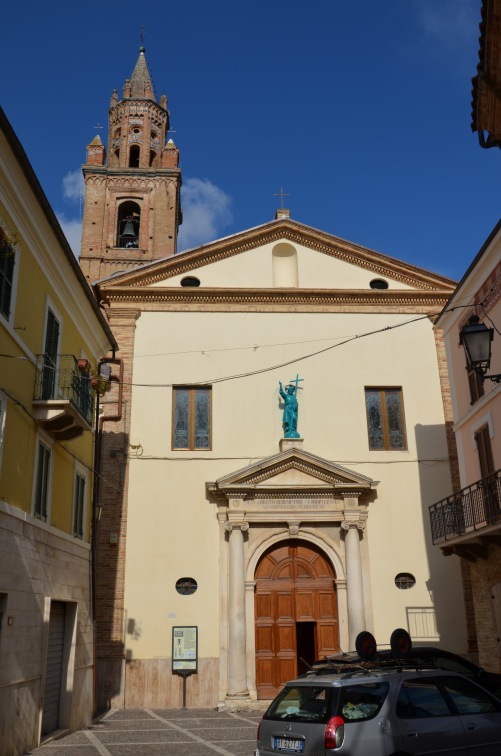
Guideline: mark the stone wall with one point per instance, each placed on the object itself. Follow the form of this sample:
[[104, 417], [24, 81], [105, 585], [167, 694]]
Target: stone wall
[[39, 564]]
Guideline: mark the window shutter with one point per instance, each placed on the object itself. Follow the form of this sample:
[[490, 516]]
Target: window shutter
[[79, 506], [483, 439], [7, 260], [50, 356], [42, 481], [476, 386]]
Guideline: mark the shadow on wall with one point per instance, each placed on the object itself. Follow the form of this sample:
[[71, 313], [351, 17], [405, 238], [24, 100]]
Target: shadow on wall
[[110, 572], [444, 584]]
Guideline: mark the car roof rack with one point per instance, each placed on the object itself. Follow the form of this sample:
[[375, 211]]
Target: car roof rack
[[366, 658], [357, 666]]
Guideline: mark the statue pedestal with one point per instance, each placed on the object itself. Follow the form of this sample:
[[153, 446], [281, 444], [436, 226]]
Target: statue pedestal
[[290, 443]]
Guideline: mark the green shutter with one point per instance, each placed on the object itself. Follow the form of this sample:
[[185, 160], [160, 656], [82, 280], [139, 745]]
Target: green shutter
[[42, 481], [79, 507]]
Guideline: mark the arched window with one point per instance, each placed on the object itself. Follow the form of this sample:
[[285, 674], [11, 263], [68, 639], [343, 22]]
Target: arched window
[[152, 158], [285, 272], [116, 146], [128, 224], [134, 156]]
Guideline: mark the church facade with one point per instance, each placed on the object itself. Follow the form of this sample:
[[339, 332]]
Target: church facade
[[281, 427]]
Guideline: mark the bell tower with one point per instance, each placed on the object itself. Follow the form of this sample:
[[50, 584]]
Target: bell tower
[[132, 205]]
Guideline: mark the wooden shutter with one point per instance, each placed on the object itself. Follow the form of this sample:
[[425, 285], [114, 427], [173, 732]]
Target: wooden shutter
[[79, 506], [7, 260], [42, 481], [50, 356], [476, 385], [483, 439]]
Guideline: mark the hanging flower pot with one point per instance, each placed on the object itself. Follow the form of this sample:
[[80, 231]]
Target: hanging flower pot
[[99, 384], [83, 365]]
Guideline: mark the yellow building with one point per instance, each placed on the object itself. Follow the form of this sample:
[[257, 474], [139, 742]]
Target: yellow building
[[52, 336]]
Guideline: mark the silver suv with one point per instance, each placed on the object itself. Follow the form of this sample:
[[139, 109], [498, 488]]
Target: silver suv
[[382, 709]]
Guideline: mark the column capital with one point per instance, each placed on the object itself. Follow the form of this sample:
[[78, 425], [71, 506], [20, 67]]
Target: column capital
[[347, 524], [243, 526]]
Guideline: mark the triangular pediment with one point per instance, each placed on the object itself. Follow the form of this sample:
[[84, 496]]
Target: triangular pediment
[[242, 261], [292, 470]]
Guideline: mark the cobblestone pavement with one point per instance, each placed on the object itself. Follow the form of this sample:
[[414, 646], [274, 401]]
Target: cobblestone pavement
[[165, 732]]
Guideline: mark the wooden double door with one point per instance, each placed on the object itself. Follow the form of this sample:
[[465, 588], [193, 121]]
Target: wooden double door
[[295, 614]]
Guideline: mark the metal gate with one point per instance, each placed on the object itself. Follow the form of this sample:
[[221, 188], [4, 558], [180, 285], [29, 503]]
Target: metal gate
[[54, 671]]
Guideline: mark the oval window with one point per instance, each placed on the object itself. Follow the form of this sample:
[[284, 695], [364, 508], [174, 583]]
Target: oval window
[[378, 283], [404, 580], [190, 281], [186, 586]]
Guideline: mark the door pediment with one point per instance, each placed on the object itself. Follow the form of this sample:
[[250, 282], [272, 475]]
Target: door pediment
[[293, 471]]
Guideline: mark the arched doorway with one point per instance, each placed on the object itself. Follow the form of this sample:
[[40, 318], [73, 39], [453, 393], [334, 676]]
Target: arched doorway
[[296, 614]]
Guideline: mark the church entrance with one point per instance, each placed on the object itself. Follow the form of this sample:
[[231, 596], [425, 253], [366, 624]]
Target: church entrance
[[295, 613]]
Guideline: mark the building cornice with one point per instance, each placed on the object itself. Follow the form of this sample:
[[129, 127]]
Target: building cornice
[[156, 298]]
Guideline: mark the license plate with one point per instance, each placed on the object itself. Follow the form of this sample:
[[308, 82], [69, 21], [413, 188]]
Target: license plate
[[287, 744]]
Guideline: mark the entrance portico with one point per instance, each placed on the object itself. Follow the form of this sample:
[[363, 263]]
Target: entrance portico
[[290, 498]]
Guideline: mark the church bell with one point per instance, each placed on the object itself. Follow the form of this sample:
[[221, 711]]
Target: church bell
[[129, 229]]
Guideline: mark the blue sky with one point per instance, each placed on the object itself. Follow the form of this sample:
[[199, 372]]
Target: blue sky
[[360, 109]]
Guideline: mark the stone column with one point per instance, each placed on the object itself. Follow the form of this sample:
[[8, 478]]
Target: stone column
[[237, 671], [355, 587]]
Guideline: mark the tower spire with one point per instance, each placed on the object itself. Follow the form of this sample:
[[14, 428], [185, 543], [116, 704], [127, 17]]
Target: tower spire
[[132, 201], [141, 83]]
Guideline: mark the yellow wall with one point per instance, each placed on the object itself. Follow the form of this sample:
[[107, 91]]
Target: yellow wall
[[172, 528]]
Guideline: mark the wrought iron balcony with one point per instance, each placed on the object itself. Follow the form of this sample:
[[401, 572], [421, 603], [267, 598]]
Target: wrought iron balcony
[[473, 513], [63, 399]]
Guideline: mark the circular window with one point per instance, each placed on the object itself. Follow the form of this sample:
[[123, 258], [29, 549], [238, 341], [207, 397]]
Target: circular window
[[404, 580], [190, 281], [186, 586], [378, 283]]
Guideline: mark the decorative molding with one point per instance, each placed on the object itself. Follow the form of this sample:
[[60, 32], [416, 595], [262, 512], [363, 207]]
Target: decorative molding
[[297, 233], [407, 301]]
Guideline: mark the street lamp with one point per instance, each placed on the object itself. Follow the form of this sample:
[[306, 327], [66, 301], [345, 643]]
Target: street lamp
[[476, 339]]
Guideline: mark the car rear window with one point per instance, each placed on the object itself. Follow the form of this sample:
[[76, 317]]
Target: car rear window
[[302, 704], [359, 702]]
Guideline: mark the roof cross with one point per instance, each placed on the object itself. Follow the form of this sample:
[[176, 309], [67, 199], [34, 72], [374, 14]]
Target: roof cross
[[281, 194]]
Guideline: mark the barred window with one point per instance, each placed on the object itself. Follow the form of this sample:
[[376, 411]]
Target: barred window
[[191, 427], [385, 418]]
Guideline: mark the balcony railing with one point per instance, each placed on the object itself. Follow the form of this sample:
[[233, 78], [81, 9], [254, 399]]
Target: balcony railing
[[474, 508], [61, 379]]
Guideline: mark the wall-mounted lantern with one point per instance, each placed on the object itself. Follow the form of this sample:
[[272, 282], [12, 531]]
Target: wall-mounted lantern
[[476, 339]]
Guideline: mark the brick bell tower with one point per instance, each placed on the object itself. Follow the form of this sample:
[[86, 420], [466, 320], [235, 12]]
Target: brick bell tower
[[132, 205]]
